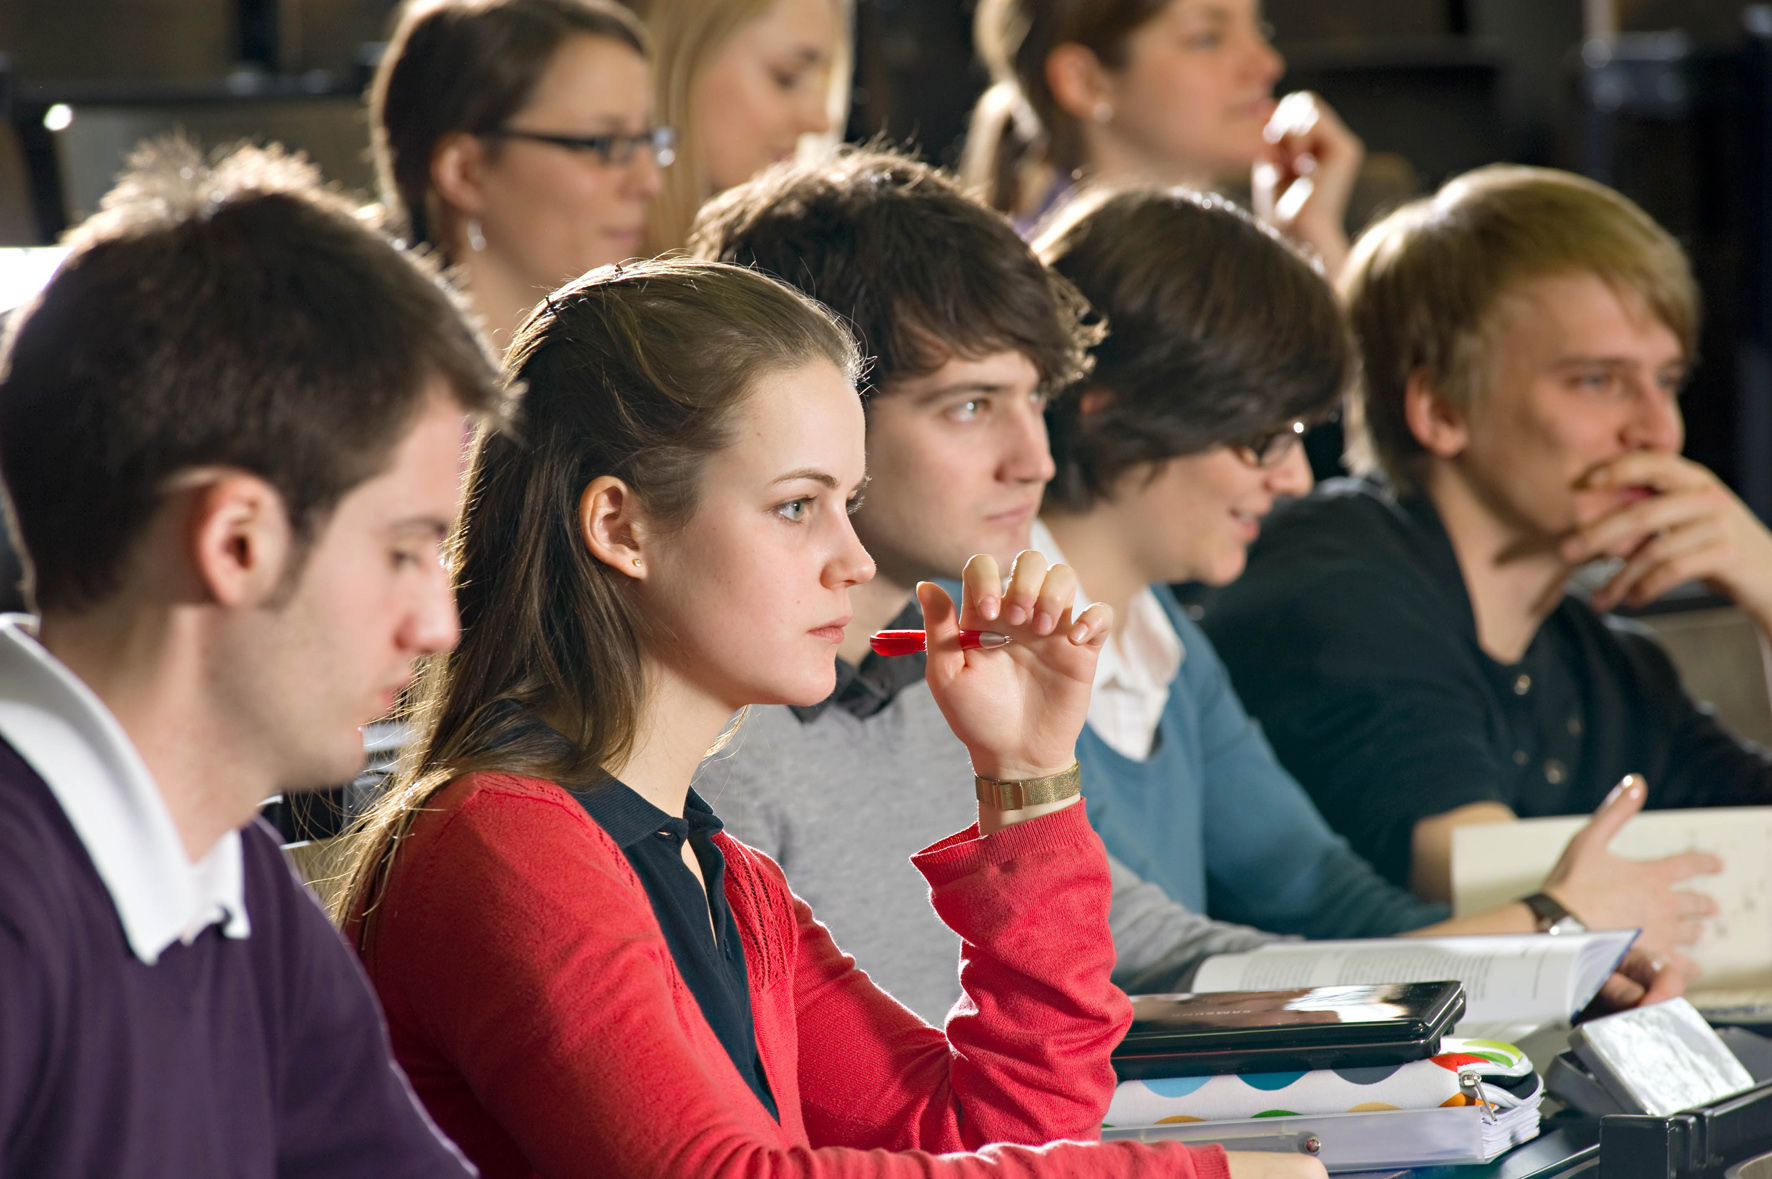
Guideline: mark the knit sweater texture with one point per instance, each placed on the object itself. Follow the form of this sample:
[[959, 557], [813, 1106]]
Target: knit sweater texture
[[534, 1003], [1215, 820]]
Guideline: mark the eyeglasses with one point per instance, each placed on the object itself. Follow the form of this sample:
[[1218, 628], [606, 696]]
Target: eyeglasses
[[614, 150], [1270, 448]]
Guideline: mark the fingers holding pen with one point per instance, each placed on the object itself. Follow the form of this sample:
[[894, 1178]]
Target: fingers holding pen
[[1021, 597], [1092, 627], [981, 596]]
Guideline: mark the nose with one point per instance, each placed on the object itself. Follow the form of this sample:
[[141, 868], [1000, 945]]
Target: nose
[[1266, 61], [1292, 475], [850, 564], [815, 110], [1657, 423], [1027, 455], [433, 625]]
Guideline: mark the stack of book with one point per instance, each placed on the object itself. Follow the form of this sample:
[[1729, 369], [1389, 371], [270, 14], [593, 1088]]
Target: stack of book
[[1372, 1057]]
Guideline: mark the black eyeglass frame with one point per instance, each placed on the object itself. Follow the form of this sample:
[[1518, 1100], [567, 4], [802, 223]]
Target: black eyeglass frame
[[1269, 448], [615, 149]]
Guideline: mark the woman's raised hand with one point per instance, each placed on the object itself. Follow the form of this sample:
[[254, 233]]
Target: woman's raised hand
[[1017, 709]]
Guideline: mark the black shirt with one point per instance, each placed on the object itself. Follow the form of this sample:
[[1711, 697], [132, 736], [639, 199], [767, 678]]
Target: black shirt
[[1351, 638], [709, 957]]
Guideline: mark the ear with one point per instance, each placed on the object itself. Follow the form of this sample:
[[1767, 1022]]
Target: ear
[[610, 526], [1439, 425], [458, 167], [1093, 401], [240, 540], [1077, 80]]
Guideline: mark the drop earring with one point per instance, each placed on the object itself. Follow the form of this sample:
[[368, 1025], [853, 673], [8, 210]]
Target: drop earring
[[476, 239]]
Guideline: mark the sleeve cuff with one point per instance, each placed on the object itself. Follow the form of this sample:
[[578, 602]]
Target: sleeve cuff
[[967, 851]]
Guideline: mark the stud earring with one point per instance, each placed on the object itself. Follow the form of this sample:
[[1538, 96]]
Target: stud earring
[[1103, 112], [636, 562], [476, 239]]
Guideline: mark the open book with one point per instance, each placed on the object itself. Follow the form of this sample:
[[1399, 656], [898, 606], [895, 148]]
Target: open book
[[1493, 863], [1512, 982]]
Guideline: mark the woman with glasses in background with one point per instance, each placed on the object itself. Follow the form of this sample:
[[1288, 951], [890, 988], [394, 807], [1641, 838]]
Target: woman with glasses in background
[[516, 138], [1224, 347]]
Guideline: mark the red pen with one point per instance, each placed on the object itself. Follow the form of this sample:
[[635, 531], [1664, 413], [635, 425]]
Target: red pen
[[909, 642]]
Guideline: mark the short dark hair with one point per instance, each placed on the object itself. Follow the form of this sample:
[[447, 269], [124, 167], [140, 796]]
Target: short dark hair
[[228, 313], [923, 273], [466, 65], [1217, 330]]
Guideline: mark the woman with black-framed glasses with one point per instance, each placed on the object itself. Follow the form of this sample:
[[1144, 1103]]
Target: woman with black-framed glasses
[[516, 138]]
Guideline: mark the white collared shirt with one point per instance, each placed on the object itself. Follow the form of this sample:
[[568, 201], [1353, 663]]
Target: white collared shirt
[[65, 732], [1136, 667]]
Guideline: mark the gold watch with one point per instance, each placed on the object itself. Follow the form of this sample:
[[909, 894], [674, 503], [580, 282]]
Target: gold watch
[[1003, 795]]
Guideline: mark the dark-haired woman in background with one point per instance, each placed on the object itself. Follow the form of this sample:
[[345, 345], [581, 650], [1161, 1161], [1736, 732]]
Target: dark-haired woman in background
[[1223, 346], [516, 138], [1119, 92], [582, 974]]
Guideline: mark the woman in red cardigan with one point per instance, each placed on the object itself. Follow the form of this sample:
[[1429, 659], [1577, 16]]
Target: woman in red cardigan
[[582, 974]]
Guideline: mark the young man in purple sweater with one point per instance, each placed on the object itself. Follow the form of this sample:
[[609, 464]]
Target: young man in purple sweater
[[230, 431]]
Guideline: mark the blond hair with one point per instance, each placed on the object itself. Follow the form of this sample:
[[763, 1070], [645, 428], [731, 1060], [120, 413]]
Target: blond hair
[[1423, 288], [686, 35]]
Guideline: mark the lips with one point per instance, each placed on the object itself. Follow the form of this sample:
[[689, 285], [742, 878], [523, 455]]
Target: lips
[[831, 632], [1014, 516]]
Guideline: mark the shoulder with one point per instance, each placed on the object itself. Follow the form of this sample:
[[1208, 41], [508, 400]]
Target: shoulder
[[47, 881], [492, 839], [1345, 558]]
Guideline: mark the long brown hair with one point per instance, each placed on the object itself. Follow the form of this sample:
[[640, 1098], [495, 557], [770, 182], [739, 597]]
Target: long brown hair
[[466, 65], [635, 372], [1020, 139]]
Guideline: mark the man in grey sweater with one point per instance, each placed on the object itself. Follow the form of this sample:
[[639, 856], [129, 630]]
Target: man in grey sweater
[[969, 334]]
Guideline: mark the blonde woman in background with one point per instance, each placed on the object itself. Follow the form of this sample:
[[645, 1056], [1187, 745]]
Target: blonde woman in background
[[1160, 92], [742, 81]]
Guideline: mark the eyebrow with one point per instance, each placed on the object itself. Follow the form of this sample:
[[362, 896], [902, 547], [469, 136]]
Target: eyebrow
[[1576, 360], [434, 525], [978, 387], [812, 473]]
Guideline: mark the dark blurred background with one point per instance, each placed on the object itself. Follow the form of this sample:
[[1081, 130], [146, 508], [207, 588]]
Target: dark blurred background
[[1670, 100]]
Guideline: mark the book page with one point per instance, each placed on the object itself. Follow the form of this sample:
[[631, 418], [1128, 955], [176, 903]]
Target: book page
[[1514, 978], [1494, 863]]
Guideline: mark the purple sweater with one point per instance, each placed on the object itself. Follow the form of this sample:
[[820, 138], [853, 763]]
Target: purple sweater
[[261, 1056]]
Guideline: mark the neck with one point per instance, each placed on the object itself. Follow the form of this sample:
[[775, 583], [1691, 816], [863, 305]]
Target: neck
[[679, 723], [876, 603], [501, 297], [1113, 161], [150, 670], [1094, 547], [1514, 580]]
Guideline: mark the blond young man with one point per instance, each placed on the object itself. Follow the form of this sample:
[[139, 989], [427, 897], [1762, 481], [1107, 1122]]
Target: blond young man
[[1408, 638]]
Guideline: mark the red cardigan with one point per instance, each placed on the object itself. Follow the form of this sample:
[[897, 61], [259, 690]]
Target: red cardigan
[[533, 1002]]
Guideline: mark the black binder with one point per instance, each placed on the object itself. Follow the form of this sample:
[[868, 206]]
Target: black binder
[[1284, 1031]]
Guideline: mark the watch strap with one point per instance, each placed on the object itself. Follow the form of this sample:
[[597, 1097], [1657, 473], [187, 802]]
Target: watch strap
[[1014, 794], [1551, 913]]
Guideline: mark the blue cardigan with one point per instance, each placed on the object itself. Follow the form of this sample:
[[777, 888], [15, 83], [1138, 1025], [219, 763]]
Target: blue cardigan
[[1214, 819]]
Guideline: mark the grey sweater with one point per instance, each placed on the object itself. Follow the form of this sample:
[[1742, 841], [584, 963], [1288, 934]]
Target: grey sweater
[[841, 803]]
